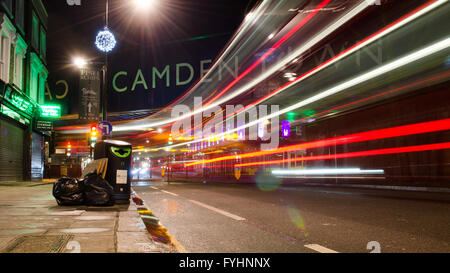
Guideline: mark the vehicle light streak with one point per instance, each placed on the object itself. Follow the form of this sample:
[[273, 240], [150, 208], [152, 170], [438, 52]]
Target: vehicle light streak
[[413, 129], [440, 76], [330, 29], [336, 171], [408, 59], [420, 11], [272, 49], [387, 151], [399, 150], [372, 38], [234, 41]]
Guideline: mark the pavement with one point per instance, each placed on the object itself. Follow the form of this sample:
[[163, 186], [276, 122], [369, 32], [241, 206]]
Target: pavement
[[211, 217], [32, 222]]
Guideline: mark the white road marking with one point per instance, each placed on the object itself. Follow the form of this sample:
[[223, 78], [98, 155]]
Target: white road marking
[[235, 217], [171, 193], [155, 188], [320, 248]]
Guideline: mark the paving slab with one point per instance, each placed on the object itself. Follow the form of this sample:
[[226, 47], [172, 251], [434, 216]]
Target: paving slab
[[131, 224], [135, 242], [91, 244], [32, 222], [110, 224]]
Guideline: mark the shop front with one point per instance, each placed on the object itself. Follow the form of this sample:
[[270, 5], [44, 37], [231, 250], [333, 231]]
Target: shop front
[[21, 149]]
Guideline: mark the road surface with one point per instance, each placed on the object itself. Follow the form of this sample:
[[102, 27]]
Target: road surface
[[244, 218]]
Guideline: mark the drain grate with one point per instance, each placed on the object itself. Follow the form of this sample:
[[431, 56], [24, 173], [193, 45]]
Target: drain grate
[[38, 244]]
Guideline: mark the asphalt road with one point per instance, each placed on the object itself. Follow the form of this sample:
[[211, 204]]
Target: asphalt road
[[244, 218]]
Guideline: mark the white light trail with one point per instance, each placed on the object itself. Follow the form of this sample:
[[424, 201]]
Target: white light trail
[[366, 43], [299, 51], [344, 171], [356, 48], [408, 59]]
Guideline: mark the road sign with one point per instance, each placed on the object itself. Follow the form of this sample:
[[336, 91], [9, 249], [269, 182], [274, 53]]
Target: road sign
[[237, 172], [106, 128], [44, 125]]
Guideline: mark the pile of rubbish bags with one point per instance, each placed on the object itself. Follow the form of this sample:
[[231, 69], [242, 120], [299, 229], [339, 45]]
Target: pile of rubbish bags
[[93, 190]]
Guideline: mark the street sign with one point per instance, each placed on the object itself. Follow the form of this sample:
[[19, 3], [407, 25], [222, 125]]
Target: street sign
[[44, 125], [90, 94], [106, 128]]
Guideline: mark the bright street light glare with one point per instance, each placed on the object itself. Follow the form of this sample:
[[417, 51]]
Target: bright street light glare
[[79, 62], [143, 4]]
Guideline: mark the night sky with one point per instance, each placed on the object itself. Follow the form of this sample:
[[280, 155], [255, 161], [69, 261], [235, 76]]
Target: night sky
[[72, 29], [173, 31]]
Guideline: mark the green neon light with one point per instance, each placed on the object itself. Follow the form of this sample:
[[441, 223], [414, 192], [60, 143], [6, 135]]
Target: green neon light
[[121, 152], [291, 116], [309, 113], [50, 111], [19, 102], [8, 112]]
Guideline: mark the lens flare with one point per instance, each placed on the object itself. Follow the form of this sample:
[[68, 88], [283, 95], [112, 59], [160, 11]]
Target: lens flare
[[266, 182], [295, 217]]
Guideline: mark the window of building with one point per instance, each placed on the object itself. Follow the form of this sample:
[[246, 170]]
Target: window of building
[[7, 4], [34, 85], [4, 58], [35, 32], [43, 40], [20, 16], [18, 71]]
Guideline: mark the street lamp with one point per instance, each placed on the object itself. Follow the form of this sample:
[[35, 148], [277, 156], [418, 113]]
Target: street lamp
[[105, 42], [79, 62], [143, 4]]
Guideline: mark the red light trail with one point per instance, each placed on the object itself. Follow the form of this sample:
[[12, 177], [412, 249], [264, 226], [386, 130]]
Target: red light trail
[[408, 149], [413, 129]]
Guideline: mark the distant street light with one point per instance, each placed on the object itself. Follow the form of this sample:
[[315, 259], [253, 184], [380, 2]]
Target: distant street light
[[79, 62]]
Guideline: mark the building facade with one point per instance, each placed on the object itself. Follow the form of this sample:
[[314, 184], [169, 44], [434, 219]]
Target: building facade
[[23, 74]]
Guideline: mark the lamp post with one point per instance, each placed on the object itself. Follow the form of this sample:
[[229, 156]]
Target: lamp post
[[105, 42]]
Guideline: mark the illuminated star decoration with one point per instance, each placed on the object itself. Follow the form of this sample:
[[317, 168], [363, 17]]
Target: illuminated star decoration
[[105, 40]]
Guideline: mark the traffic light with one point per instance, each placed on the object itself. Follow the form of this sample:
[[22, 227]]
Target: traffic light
[[69, 147], [93, 135], [93, 131], [92, 138]]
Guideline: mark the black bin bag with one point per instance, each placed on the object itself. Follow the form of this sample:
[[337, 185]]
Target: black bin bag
[[68, 191], [97, 191]]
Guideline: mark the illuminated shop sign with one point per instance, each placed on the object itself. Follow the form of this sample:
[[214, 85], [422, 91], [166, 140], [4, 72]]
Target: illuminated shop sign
[[19, 101], [50, 111]]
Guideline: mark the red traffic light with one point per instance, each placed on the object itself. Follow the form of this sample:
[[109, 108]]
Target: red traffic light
[[93, 130]]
